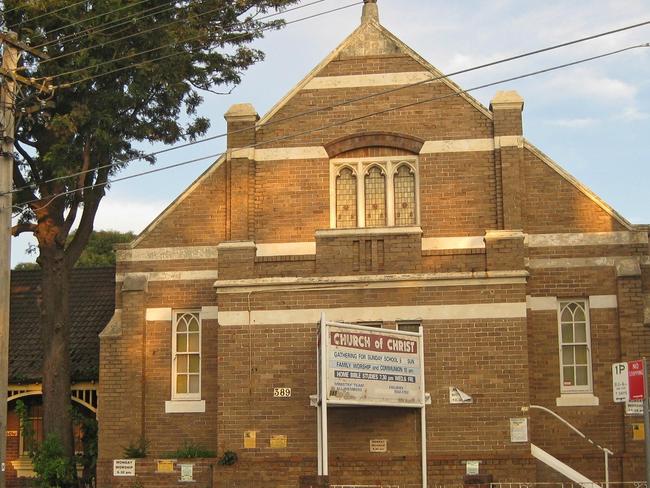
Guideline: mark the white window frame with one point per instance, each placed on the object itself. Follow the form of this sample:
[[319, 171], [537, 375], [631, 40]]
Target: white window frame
[[589, 387], [186, 396], [360, 166]]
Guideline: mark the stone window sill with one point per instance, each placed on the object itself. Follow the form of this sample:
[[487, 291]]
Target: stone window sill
[[577, 400], [185, 406]]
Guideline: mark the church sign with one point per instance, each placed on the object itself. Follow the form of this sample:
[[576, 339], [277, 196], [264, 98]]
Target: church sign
[[370, 366]]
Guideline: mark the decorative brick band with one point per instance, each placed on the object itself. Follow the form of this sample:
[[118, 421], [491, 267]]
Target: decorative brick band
[[358, 81], [356, 314], [374, 139]]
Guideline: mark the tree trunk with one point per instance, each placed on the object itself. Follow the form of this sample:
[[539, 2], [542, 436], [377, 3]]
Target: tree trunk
[[55, 337]]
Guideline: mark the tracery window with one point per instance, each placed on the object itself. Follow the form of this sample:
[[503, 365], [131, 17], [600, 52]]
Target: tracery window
[[186, 380], [575, 356], [374, 192], [346, 199], [404, 181]]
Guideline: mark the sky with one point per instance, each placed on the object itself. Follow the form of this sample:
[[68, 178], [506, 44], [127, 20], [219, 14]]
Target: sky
[[592, 119]]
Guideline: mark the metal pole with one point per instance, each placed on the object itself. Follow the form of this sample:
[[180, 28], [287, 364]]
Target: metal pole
[[7, 96], [646, 422], [323, 384], [423, 435], [319, 425], [606, 469]]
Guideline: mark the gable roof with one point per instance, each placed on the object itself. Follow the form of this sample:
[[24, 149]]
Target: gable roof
[[368, 33], [92, 302]]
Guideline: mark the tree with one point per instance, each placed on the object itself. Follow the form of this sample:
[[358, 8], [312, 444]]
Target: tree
[[99, 249], [125, 71]]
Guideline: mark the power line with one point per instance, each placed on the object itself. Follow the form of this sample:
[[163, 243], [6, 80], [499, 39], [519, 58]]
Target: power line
[[135, 34], [358, 99], [110, 25], [81, 21], [171, 44], [354, 119], [41, 15], [539, 51]]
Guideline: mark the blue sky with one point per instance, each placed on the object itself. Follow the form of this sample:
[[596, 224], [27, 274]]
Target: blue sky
[[593, 120]]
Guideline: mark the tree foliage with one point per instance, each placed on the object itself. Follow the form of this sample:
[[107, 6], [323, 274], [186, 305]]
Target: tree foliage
[[99, 250], [122, 72]]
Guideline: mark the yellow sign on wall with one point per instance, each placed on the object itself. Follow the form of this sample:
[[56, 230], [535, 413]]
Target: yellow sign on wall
[[165, 466], [278, 441], [250, 439], [638, 432]]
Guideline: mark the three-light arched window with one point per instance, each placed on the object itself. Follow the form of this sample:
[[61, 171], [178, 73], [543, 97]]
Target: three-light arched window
[[375, 192]]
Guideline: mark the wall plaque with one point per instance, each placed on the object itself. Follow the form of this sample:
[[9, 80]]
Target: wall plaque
[[378, 445], [123, 467]]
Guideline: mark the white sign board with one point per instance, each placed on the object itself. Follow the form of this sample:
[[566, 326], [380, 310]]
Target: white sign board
[[370, 366], [519, 429], [634, 407], [472, 467], [187, 472], [123, 467], [620, 382]]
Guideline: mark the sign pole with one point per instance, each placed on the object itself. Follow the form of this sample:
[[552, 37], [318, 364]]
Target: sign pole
[[319, 427], [323, 390], [646, 421]]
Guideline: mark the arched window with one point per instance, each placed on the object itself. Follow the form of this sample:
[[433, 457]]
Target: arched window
[[346, 199], [404, 182], [574, 346], [187, 356], [375, 191]]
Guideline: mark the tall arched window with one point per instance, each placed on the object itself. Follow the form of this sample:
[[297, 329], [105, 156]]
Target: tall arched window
[[346, 199], [404, 183], [375, 191], [187, 356]]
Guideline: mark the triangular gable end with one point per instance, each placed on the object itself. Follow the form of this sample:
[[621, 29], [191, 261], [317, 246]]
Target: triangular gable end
[[348, 44], [581, 187]]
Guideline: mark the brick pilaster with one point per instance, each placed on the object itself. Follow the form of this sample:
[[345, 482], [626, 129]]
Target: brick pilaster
[[241, 119], [236, 260], [508, 146], [504, 250], [122, 373]]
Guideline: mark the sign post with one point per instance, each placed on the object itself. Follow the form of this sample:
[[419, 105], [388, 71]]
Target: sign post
[[366, 366], [630, 382]]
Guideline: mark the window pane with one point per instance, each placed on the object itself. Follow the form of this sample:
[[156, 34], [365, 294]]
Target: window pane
[[569, 379], [346, 199], [181, 343], [194, 343], [579, 313], [193, 323], [567, 333], [194, 363], [404, 196], [194, 384], [567, 316], [181, 383], [375, 187], [581, 332], [581, 375], [567, 355], [181, 363], [581, 354]]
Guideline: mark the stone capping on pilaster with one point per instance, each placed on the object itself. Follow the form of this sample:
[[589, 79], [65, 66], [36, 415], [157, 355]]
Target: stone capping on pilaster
[[241, 112], [504, 234], [135, 282], [507, 100], [368, 231], [235, 245], [509, 141], [628, 268]]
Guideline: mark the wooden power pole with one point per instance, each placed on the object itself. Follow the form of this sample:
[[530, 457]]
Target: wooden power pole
[[11, 46]]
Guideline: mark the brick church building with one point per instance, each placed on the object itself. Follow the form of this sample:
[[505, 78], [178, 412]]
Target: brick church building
[[414, 208]]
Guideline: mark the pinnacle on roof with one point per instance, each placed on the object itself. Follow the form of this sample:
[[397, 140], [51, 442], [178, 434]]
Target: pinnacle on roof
[[370, 11]]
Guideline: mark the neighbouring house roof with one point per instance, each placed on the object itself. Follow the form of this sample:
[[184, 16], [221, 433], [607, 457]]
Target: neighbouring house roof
[[92, 303]]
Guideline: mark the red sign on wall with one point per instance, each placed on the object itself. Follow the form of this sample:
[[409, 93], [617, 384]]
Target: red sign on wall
[[636, 380]]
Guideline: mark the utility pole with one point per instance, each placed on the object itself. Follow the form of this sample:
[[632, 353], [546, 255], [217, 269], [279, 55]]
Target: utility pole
[[11, 46], [7, 101]]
